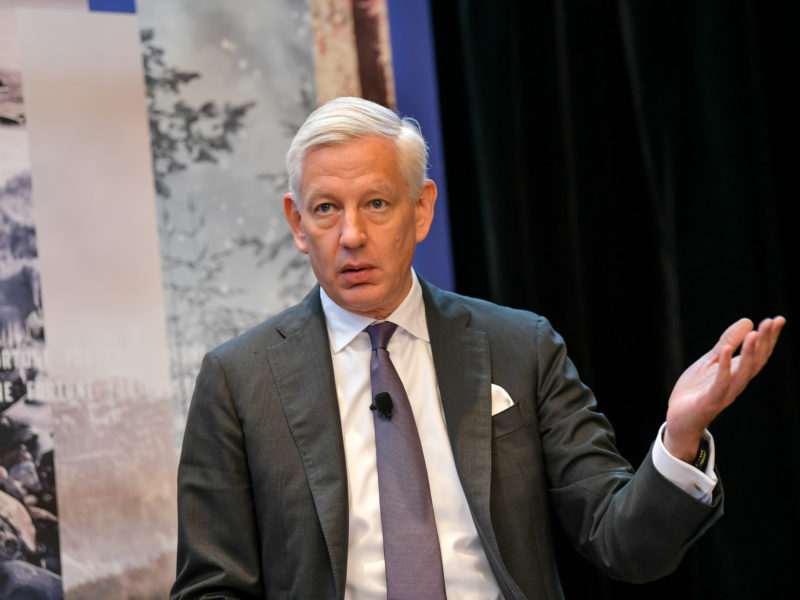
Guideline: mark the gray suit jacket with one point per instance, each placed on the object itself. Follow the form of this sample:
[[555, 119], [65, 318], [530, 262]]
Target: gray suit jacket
[[262, 495]]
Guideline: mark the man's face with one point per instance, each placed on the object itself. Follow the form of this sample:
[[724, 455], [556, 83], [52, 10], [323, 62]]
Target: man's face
[[358, 224]]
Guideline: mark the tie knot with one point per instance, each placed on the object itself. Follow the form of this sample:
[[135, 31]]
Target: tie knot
[[380, 334]]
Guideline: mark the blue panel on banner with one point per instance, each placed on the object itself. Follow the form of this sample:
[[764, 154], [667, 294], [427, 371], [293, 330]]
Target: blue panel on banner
[[417, 93], [120, 6]]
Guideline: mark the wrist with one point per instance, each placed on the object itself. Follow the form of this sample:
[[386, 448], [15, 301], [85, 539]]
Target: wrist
[[683, 448]]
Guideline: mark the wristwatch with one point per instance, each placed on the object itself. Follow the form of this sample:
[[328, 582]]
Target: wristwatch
[[701, 460]]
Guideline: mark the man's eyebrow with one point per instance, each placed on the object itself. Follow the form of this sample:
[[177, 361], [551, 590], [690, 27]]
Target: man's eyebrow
[[381, 189], [316, 194]]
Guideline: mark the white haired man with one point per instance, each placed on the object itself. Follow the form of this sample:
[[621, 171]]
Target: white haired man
[[281, 482]]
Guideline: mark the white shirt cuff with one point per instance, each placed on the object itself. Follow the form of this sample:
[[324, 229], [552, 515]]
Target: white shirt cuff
[[694, 482]]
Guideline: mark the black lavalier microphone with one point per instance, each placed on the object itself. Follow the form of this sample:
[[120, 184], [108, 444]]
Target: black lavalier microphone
[[383, 404]]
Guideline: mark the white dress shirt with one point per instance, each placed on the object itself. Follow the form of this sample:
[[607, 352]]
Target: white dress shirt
[[467, 573]]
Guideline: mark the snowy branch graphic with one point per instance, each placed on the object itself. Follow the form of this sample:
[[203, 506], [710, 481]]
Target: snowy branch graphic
[[203, 309]]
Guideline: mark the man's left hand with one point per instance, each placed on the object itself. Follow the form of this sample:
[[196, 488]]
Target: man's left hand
[[714, 381]]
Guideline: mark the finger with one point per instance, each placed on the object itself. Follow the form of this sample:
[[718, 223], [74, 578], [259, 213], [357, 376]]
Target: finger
[[762, 349], [748, 364], [777, 325], [756, 350], [723, 379], [734, 335], [768, 332], [766, 326]]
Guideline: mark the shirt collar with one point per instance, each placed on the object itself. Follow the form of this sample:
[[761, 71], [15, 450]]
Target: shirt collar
[[344, 326]]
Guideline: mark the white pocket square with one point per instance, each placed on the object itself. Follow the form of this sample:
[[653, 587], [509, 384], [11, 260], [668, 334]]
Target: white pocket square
[[500, 400]]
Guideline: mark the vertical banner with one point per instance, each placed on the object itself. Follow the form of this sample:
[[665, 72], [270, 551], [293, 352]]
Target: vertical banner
[[228, 85], [352, 50], [30, 561], [107, 378]]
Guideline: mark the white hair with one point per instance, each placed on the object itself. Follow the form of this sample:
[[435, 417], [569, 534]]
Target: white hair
[[347, 119]]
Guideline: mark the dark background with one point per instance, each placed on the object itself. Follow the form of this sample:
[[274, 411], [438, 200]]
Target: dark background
[[628, 170]]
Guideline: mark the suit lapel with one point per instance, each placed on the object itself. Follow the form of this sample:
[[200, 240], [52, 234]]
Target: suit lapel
[[464, 373], [461, 356], [308, 396]]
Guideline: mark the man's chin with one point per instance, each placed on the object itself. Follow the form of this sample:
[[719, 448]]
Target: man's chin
[[359, 297], [362, 299]]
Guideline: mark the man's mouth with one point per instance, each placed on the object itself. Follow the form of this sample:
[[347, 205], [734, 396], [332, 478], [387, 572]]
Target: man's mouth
[[356, 273], [355, 268]]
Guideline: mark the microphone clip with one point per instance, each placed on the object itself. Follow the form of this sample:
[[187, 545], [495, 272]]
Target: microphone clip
[[383, 404]]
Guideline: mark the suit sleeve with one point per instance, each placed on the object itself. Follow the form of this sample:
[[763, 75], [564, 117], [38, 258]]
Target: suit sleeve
[[218, 548], [636, 527]]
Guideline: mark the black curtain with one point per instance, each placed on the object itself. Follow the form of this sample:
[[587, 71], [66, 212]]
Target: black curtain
[[627, 169]]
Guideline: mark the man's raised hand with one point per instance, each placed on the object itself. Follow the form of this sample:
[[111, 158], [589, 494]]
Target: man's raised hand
[[714, 381]]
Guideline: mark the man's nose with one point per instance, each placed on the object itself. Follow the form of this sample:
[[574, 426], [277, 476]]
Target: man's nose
[[353, 234]]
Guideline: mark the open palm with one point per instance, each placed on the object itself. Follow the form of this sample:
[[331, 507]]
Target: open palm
[[714, 381]]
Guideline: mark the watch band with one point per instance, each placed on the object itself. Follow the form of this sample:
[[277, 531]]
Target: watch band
[[701, 460]]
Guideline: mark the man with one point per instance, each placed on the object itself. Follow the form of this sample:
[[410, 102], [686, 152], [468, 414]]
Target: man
[[281, 494]]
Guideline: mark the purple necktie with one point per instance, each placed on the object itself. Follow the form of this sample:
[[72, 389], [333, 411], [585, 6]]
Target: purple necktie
[[410, 540]]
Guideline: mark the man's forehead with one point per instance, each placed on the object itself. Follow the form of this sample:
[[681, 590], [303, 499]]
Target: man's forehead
[[368, 165], [379, 144]]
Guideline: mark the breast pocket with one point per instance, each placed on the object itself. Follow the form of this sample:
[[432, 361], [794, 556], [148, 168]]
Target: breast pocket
[[516, 445], [508, 421]]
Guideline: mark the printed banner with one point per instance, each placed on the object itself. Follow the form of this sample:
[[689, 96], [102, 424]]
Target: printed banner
[[228, 84], [30, 561], [107, 369]]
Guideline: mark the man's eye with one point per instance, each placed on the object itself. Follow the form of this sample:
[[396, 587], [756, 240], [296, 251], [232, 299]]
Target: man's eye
[[325, 207], [377, 203]]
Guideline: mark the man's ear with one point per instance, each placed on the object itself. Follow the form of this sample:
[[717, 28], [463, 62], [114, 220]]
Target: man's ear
[[294, 218], [423, 209]]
